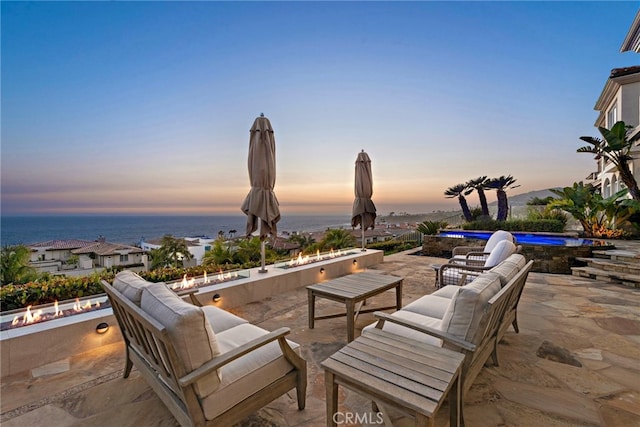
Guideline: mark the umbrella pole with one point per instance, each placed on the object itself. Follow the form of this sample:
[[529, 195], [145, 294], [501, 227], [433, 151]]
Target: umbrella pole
[[262, 242], [362, 228]]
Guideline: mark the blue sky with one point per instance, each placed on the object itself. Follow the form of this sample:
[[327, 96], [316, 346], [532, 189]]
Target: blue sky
[[145, 107]]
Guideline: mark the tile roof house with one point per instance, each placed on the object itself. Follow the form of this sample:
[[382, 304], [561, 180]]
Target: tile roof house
[[53, 255]]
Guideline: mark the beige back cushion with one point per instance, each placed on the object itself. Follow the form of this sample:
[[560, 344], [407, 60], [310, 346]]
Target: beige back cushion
[[469, 307], [189, 331], [130, 285], [517, 259], [506, 271], [503, 249]]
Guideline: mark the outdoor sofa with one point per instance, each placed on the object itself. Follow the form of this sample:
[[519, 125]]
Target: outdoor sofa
[[471, 318], [208, 366]]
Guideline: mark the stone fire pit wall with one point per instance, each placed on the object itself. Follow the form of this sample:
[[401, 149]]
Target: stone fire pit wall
[[547, 259], [48, 347]]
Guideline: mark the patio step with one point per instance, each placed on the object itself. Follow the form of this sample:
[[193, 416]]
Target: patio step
[[618, 255], [612, 265], [626, 279]]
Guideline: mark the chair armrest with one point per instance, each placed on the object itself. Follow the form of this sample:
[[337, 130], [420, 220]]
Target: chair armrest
[[448, 338], [191, 293], [477, 254], [232, 355], [462, 250], [464, 269]]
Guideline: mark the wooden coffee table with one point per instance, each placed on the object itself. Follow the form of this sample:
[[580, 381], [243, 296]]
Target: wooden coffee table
[[395, 371], [350, 290]]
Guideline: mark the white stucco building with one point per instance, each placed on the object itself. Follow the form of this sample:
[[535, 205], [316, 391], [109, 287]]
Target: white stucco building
[[619, 100]]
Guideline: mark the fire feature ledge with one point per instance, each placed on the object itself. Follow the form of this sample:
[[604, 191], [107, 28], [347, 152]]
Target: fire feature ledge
[[34, 347]]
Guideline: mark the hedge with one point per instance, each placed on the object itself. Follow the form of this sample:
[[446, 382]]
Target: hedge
[[539, 225]]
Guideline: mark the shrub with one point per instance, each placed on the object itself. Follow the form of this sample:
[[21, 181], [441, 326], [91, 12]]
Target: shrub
[[431, 227], [392, 246], [540, 225]]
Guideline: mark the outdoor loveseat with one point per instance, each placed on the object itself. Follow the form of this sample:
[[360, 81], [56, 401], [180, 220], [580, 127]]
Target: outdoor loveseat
[[208, 366], [471, 318]]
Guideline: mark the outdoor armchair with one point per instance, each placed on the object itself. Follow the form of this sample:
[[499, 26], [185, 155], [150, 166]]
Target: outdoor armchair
[[460, 271], [476, 255], [208, 366]]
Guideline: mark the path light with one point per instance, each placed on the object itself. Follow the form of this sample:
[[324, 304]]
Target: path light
[[355, 262], [102, 328], [216, 298], [321, 270]]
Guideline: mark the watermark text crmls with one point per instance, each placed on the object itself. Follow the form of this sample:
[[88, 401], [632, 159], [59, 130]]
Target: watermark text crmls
[[346, 418]]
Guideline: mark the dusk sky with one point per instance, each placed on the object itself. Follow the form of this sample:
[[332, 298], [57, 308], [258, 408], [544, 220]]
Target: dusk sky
[[145, 107]]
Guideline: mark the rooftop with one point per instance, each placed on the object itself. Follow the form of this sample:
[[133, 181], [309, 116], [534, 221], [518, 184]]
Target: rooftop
[[563, 319]]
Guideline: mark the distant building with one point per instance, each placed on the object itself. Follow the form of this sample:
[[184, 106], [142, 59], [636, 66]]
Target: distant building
[[198, 246], [619, 100], [632, 41], [53, 256]]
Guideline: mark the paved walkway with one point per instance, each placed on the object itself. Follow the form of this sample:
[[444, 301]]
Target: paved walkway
[[575, 362]]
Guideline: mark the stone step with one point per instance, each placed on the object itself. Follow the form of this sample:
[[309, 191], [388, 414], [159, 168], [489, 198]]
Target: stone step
[[618, 255], [612, 265], [626, 279]]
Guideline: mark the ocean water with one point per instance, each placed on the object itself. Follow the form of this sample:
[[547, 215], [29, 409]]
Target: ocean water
[[130, 229]]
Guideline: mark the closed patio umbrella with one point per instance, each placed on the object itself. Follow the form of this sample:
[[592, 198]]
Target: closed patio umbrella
[[364, 211], [261, 205]]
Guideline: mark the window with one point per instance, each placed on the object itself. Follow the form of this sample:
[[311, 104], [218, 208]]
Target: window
[[612, 116], [124, 258]]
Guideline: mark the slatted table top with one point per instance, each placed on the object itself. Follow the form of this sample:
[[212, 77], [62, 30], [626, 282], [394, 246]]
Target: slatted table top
[[398, 371], [356, 286]]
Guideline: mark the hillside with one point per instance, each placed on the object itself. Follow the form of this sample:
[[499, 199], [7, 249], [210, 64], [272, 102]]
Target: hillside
[[517, 202]]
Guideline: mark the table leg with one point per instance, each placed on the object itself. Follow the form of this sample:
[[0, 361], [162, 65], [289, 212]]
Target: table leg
[[424, 421], [399, 296], [455, 404], [331, 389], [311, 300], [351, 327]]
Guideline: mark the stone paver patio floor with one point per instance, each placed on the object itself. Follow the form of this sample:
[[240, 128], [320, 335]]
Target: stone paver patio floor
[[575, 362]]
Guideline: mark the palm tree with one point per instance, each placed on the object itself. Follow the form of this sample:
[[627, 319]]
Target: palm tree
[[480, 184], [501, 185], [219, 254], [615, 147], [459, 191], [170, 252], [337, 238], [250, 250], [304, 240], [14, 265]]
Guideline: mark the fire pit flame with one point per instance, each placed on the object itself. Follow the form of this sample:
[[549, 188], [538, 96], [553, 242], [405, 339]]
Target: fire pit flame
[[29, 317], [302, 260]]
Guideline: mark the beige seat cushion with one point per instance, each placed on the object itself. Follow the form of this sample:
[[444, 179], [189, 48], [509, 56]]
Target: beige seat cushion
[[221, 320], [130, 285], [189, 331], [431, 322], [429, 305], [247, 374], [447, 291], [469, 307]]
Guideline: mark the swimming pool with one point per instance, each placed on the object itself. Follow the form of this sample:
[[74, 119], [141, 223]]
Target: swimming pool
[[524, 238]]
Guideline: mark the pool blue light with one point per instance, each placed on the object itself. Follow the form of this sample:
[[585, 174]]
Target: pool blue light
[[529, 238]]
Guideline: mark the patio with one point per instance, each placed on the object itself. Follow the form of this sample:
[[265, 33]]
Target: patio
[[574, 363]]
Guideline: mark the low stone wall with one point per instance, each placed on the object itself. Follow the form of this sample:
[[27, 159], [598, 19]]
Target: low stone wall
[[547, 259]]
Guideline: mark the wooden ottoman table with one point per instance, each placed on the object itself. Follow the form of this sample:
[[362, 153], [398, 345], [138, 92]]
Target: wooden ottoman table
[[350, 290], [412, 377]]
